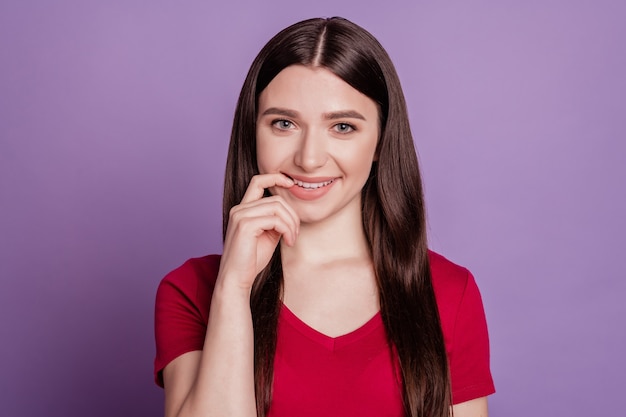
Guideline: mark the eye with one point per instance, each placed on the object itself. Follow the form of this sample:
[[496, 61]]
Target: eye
[[283, 124], [343, 128]]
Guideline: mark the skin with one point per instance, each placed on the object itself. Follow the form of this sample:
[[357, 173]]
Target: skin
[[313, 128]]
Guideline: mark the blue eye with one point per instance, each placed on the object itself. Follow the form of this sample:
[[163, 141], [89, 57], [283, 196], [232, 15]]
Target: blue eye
[[282, 124], [343, 128]]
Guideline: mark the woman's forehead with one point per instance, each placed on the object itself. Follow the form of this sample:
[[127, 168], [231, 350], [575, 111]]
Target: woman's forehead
[[314, 91]]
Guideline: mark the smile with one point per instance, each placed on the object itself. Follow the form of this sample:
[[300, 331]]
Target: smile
[[312, 185]]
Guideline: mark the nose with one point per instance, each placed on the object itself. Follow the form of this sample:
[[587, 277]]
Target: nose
[[312, 152]]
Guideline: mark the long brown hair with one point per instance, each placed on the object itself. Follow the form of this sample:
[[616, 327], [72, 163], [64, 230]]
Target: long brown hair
[[392, 203]]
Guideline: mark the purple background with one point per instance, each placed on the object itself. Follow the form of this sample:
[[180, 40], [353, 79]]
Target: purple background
[[114, 122]]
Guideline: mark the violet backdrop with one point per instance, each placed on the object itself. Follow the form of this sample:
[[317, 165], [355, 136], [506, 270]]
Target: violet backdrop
[[114, 122]]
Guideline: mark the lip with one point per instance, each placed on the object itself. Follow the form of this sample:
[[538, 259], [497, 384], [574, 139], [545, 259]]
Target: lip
[[313, 187], [311, 180]]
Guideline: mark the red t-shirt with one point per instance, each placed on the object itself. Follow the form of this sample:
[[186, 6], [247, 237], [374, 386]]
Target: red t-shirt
[[318, 375]]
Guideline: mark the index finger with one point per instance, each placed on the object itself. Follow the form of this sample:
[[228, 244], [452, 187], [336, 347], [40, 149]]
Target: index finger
[[259, 183]]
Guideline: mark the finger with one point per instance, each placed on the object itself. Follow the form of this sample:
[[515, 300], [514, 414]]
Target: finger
[[270, 206], [271, 201], [292, 213], [249, 245], [272, 226], [259, 183]]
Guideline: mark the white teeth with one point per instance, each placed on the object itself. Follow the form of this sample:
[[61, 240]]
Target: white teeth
[[312, 185]]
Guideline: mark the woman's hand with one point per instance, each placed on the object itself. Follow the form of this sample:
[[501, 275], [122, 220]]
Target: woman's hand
[[255, 227], [219, 380]]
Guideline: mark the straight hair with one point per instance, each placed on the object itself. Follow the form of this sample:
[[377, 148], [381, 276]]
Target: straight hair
[[392, 206]]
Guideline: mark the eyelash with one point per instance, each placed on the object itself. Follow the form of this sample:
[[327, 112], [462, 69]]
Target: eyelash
[[350, 128], [278, 123]]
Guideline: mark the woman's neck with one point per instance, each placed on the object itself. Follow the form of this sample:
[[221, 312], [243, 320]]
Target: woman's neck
[[334, 239], [329, 280]]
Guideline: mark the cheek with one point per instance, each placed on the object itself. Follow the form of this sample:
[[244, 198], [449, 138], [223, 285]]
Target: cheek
[[260, 154], [266, 160], [261, 163], [366, 155]]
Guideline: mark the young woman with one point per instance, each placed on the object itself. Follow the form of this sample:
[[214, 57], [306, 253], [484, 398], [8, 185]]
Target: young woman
[[326, 300]]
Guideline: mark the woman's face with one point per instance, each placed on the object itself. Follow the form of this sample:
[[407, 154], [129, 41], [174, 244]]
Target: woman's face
[[318, 130]]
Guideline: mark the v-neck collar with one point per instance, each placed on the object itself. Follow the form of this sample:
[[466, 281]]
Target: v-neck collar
[[330, 343]]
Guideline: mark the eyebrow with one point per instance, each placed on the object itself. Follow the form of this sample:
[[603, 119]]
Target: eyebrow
[[280, 112], [342, 114]]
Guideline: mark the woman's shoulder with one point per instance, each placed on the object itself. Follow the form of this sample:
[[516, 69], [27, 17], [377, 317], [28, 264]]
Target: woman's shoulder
[[195, 270], [454, 286], [447, 275], [464, 329], [182, 308], [192, 282]]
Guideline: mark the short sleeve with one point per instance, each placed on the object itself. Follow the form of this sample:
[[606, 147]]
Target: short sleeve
[[181, 310], [469, 354]]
